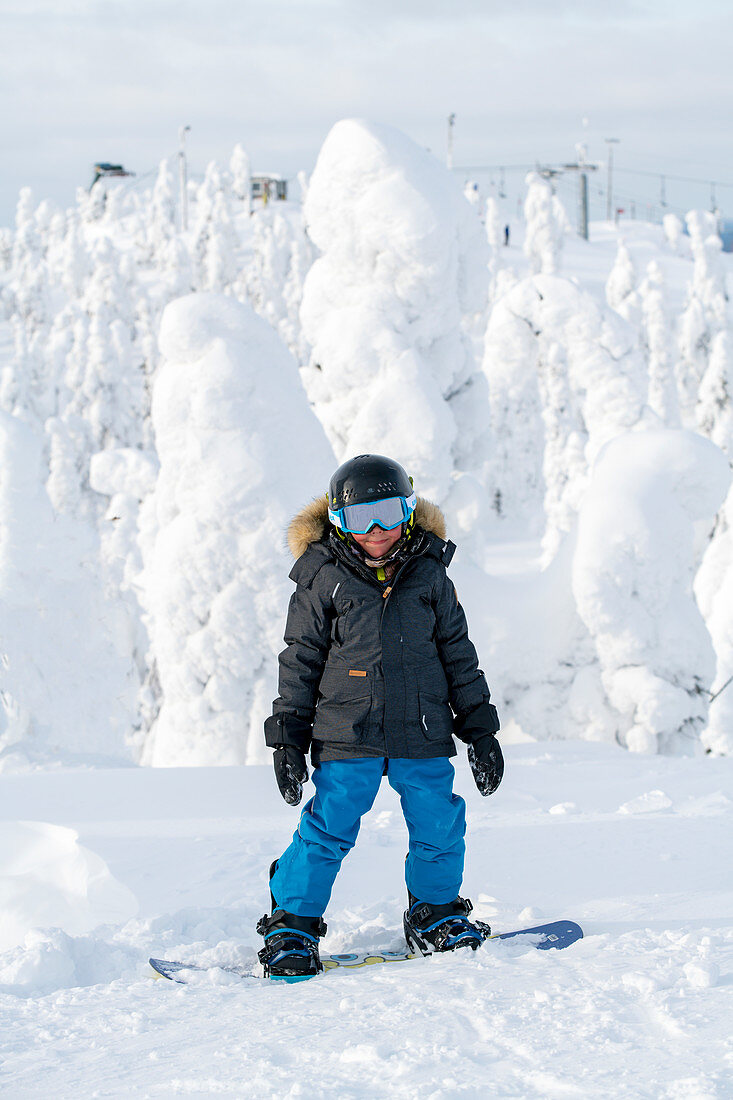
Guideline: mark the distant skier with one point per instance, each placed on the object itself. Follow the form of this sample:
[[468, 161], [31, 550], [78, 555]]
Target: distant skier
[[506, 236], [378, 675]]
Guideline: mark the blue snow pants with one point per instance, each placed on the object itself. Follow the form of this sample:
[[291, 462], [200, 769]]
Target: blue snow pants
[[329, 825]]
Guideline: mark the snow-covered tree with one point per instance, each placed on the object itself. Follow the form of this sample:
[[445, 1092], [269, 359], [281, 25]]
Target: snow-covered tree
[[273, 279], [562, 372], [621, 282], [219, 258], [74, 263], [65, 686], [403, 261], [662, 395], [494, 225], [126, 476], [546, 223], [162, 212], [241, 177], [633, 569], [705, 314], [715, 400], [673, 230], [714, 592], [214, 235], [240, 451], [472, 193], [6, 248]]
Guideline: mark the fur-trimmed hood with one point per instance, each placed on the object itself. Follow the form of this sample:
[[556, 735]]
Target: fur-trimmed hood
[[311, 523]]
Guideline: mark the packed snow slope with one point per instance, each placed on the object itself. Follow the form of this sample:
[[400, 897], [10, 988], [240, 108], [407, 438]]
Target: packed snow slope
[[638, 849]]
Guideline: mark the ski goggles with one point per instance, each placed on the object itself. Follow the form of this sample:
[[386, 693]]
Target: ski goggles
[[358, 519]]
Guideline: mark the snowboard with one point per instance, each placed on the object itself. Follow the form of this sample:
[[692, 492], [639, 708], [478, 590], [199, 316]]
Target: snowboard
[[557, 935]]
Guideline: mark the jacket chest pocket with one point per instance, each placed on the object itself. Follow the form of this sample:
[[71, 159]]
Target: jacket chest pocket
[[357, 619], [423, 626], [339, 628]]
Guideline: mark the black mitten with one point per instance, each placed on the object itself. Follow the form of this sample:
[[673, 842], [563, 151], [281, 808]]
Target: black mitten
[[487, 763], [291, 773]]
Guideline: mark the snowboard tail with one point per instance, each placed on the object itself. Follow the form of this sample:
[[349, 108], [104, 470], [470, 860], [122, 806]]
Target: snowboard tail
[[556, 935]]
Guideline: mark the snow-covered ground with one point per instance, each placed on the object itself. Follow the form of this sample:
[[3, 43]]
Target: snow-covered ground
[[637, 849]]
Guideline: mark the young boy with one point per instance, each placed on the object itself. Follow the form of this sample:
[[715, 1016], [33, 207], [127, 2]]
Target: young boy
[[378, 675]]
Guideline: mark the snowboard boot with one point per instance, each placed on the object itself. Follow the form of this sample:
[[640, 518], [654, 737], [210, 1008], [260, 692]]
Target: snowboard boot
[[430, 928], [291, 943]]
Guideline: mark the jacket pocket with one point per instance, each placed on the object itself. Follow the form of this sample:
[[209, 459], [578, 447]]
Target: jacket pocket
[[436, 718], [344, 704], [339, 622]]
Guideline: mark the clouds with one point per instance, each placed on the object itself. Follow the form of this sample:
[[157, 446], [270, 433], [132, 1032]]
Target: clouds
[[90, 79]]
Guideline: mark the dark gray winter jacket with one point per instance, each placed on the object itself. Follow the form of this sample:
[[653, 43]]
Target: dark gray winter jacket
[[371, 670]]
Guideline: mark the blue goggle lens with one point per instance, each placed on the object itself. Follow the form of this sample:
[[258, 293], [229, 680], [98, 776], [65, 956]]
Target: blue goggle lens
[[358, 519]]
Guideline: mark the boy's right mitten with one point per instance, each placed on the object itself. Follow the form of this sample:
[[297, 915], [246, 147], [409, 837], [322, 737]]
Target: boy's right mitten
[[487, 763], [290, 772], [289, 735]]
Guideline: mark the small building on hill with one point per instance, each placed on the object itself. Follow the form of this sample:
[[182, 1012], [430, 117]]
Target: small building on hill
[[269, 188]]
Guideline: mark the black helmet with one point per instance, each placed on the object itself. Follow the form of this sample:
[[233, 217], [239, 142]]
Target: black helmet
[[364, 480]]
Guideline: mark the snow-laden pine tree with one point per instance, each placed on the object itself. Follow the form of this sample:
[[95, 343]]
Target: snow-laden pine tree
[[705, 313], [500, 279], [161, 226], [214, 235], [655, 330], [714, 592], [565, 376], [239, 168], [715, 399], [111, 395], [403, 260], [6, 248], [220, 256], [633, 568], [714, 580], [272, 281], [546, 223], [621, 285], [494, 225], [73, 262], [28, 293], [126, 476], [673, 231], [66, 686], [240, 452]]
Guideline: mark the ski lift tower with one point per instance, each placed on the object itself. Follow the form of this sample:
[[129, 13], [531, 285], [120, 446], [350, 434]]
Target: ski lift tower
[[582, 168]]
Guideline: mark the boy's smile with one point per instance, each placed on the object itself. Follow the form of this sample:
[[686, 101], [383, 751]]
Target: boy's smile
[[378, 542]]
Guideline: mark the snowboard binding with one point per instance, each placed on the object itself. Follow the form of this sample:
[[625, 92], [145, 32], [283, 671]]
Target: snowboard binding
[[431, 928], [291, 945]]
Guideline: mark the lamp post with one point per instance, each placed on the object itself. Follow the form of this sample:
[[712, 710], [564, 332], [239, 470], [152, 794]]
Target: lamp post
[[183, 176], [451, 124], [610, 142]]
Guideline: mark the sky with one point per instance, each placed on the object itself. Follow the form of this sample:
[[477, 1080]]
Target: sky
[[88, 80]]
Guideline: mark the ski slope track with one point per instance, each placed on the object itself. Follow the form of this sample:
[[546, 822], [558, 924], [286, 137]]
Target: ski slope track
[[173, 862]]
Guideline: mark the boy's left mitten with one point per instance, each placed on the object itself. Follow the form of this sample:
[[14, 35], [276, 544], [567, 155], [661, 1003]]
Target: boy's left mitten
[[487, 763], [290, 772], [477, 728]]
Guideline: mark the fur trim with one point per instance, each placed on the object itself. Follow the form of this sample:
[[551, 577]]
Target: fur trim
[[430, 518], [310, 524]]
